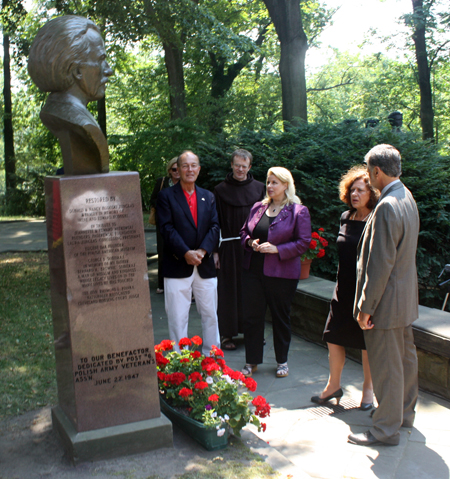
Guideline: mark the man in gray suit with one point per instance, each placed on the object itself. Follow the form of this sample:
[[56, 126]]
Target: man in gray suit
[[386, 301]]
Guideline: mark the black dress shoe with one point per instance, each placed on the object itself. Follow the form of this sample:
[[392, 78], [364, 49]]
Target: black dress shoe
[[367, 439], [365, 406], [337, 394]]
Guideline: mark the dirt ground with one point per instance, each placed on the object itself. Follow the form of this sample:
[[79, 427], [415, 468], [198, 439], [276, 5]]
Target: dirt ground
[[30, 449]]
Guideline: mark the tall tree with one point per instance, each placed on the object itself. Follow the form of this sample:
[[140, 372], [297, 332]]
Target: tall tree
[[11, 13], [419, 19], [286, 16]]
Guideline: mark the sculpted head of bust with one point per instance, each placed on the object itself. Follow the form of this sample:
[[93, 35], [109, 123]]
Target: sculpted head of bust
[[68, 54], [68, 59]]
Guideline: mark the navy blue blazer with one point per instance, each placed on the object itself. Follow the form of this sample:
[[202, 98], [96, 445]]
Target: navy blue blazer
[[180, 234]]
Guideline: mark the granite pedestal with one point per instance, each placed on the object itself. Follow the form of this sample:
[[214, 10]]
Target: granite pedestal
[[104, 347]]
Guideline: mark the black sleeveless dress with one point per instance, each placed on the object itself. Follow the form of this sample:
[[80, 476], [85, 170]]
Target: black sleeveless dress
[[341, 328]]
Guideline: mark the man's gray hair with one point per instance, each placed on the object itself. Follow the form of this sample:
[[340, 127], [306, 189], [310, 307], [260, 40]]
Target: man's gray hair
[[387, 158], [241, 153], [57, 50]]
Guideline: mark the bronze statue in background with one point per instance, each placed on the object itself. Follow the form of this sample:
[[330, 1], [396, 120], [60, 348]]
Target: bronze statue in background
[[68, 59]]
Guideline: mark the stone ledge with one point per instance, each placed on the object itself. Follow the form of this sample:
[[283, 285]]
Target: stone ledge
[[431, 332]]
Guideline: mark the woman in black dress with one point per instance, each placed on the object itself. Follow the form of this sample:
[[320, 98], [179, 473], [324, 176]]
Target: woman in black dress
[[341, 330]]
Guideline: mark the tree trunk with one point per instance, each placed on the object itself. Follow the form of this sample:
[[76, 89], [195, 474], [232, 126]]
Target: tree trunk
[[101, 114], [8, 133], [287, 18], [426, 99], [173, 58]]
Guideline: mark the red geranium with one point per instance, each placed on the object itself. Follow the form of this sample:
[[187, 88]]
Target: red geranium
[[315, 235], [185, 392], [185, 342], [321, 229], [184, 360], [197, 340], [213, 398], [195, 376], [167, 344], [201, 385], [263, 426], [221, 362], [161, 376], [175, 378], [323, 242], [313, 244], [321, 253], [215, 351], [196, 354], [161, 360], [250, 383]]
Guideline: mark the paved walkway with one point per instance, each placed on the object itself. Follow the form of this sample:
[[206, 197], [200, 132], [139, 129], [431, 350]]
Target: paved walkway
[[301, 440]]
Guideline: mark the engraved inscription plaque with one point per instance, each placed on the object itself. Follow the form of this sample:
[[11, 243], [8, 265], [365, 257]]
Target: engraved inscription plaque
[[104, 345]]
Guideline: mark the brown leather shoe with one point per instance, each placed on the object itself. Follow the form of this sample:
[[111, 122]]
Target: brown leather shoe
[[367, 439]]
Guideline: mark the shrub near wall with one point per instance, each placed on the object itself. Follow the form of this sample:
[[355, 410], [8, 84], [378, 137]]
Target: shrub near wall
[[318, 155]]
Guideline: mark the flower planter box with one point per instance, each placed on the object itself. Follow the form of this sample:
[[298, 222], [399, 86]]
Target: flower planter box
[[206, 437]]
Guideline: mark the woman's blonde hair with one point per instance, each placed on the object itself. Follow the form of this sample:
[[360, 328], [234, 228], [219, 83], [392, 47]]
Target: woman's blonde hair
[[169, 165], [285, 176]]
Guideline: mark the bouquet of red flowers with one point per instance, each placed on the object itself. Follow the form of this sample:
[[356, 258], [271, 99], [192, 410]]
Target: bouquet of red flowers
[[316, 247], [207, 388]]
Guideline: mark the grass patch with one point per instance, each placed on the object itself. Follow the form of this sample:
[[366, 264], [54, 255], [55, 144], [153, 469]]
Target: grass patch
[[27, 360], [20, 218], [234, 461]]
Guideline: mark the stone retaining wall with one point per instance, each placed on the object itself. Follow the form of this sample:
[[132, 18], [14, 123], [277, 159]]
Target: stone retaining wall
[[431, 332]]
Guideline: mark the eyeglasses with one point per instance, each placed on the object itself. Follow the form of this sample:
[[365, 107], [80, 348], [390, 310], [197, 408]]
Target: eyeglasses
[[175, 168]]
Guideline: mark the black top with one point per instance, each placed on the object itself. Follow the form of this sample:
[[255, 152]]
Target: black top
[[261, 231], [341, 328]]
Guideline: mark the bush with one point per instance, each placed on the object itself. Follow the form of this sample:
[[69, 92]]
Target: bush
[[318, 155]]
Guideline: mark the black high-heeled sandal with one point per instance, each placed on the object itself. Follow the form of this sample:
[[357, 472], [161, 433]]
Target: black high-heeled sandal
[[336, 395]]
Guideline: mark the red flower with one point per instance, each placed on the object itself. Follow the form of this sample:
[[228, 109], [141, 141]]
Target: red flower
[[196, 354], [197, 340], [323, 242], [185, 393], [215, 351], [195, 376], [315, 235], [321, 229], [263, 426], [207, 361], [167, 344], [313, 244], [237, 376], [184, 342], [321, 253], [258, 401], [221, 362], [161, 360], [161, 376], [175, 378], [250, 384], [210, 368], [213, 398], [262, 408], [184, 360], [201, 385], [158, 348]]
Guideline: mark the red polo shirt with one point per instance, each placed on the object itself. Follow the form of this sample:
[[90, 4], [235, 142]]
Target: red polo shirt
[[192, 202]]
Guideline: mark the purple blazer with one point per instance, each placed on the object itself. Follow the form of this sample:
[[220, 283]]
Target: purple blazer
[[290, 232]]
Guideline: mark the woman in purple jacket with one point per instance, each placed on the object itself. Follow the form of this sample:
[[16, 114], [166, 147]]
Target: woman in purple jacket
[[277, 232]]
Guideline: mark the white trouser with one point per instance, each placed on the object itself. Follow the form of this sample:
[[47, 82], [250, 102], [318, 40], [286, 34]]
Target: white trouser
[[178, 298]]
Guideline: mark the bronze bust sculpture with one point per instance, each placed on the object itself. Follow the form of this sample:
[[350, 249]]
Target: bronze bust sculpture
[[68, 59]]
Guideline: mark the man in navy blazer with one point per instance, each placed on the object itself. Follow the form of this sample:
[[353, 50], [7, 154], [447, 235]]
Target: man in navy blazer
[[188, 221]]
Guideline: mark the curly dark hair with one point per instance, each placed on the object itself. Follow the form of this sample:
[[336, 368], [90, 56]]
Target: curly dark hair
[[347, 180]]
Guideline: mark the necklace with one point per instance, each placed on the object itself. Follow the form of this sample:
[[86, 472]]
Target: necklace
[[364, 219]]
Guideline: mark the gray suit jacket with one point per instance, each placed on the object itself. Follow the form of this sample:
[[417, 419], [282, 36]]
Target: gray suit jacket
[[386, 285]]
